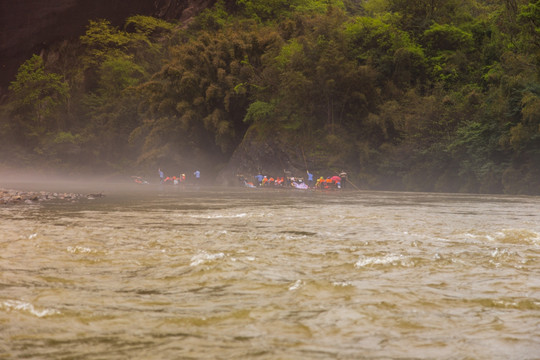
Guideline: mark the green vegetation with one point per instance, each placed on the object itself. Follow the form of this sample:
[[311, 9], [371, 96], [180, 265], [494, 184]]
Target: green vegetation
[[438, 95]]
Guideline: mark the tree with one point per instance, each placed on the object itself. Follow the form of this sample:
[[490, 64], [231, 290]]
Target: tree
[[417, 16], [115, 62], [36, 93], [529, 17], [203, 93]]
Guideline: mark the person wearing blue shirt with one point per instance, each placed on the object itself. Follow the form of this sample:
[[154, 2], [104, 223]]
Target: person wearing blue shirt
[[309, 178], [197, 174], [160, 175]]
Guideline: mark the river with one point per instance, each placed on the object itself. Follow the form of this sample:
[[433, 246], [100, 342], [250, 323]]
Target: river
[[165, 273]]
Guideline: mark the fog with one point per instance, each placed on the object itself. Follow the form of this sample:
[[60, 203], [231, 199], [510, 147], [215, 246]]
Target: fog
[[107, 184], [58, 181]]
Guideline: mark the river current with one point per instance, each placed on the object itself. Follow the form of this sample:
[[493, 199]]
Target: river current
[[223, 273]]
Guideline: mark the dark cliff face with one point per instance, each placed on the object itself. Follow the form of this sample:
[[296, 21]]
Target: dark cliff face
[[29, 26], [275, 155]]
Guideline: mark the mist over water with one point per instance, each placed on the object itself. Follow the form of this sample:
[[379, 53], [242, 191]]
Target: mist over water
[[161, 272]]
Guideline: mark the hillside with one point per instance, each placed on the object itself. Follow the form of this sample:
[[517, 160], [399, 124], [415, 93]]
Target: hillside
[[425, 96]]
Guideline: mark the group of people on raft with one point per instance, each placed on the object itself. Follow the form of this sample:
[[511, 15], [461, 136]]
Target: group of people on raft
[[309, 182], [176, 180], [322, 183]]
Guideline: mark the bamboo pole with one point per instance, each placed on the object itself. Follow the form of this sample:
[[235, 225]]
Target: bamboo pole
[[350, 182]]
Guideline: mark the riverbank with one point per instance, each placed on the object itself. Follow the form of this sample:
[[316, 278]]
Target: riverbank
[[14, 197]]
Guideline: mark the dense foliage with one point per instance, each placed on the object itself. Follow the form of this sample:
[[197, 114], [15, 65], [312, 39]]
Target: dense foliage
[[431, 95]]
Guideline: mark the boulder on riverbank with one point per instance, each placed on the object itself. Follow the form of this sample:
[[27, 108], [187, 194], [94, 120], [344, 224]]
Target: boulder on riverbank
[[271, 155], [9, 197]]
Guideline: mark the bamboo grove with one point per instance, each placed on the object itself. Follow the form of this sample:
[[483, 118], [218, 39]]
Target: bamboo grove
[[430, 95]]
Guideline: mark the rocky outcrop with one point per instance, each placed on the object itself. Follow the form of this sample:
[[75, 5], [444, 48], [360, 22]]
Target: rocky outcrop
[[15, 197], [30, 26], [272, 155]]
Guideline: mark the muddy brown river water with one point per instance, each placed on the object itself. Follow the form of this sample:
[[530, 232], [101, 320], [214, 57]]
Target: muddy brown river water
[[222, 273]]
